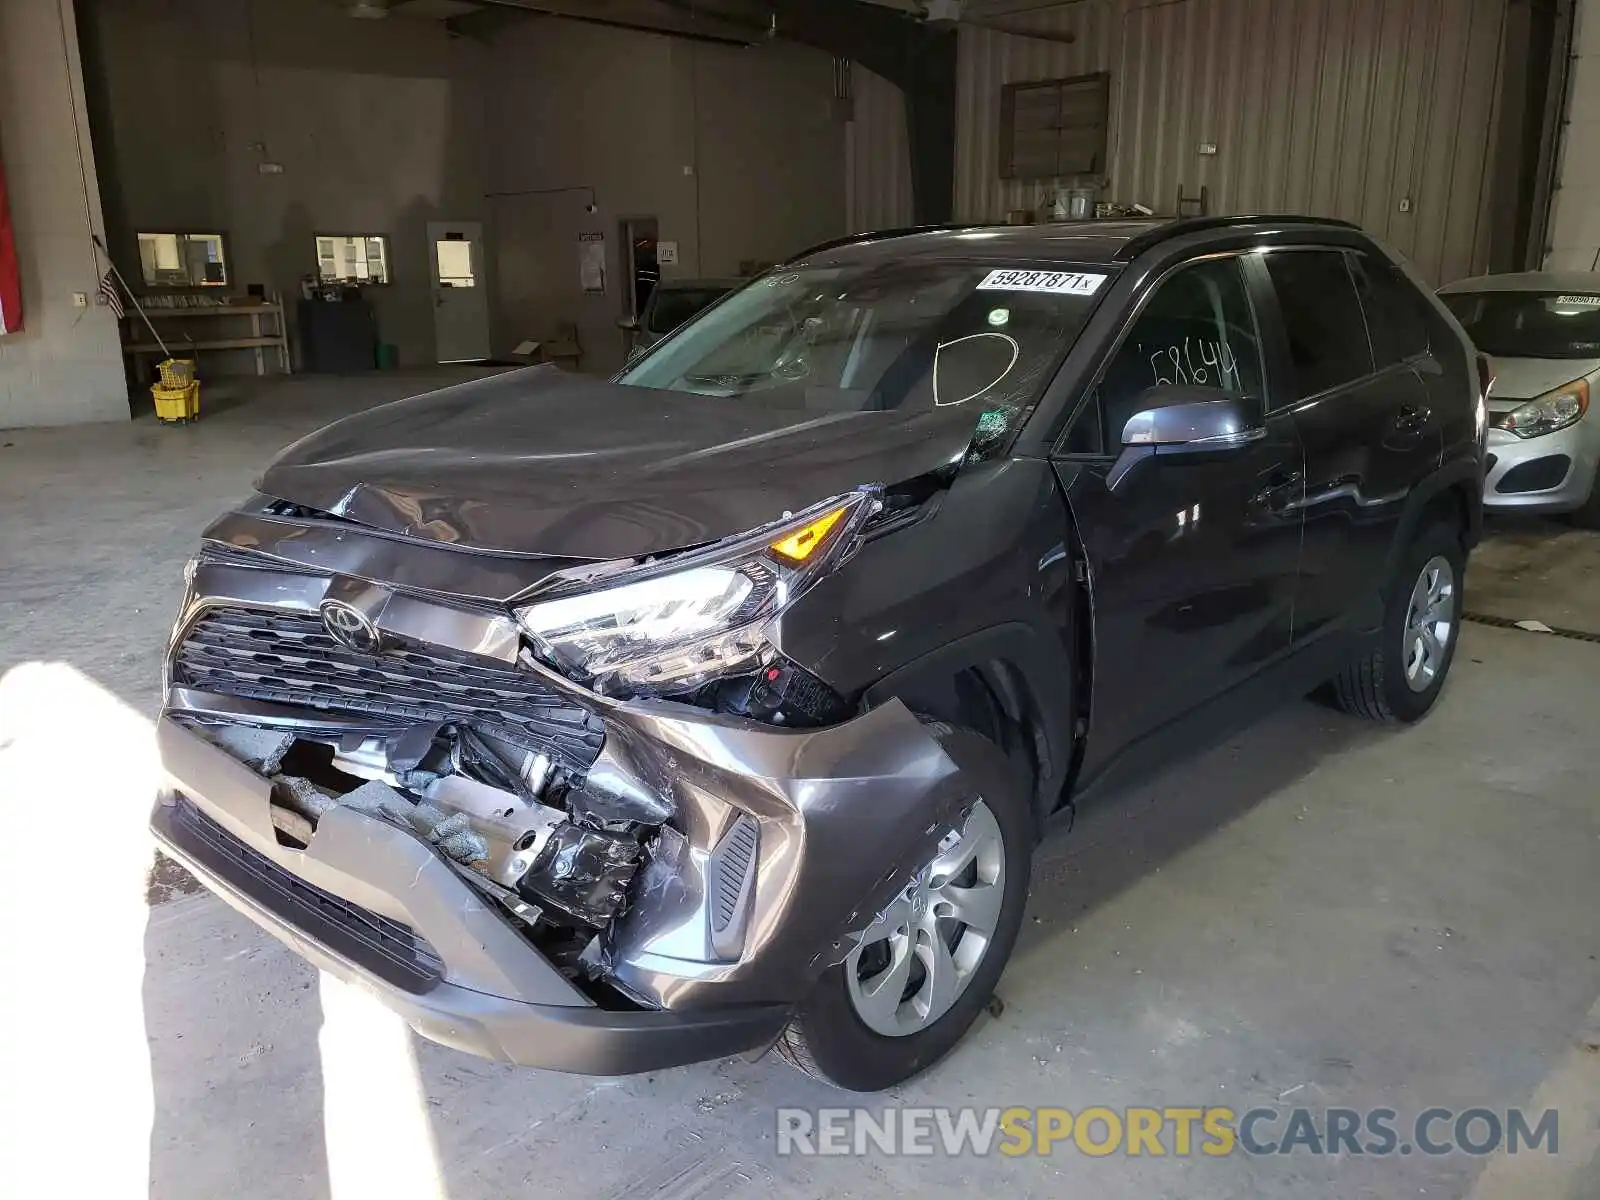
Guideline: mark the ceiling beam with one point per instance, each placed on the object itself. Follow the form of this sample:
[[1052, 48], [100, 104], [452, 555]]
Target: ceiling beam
[[639, 16]]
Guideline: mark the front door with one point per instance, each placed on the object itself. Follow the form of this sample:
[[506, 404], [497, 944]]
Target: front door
[[1192, 558], [460, 298]]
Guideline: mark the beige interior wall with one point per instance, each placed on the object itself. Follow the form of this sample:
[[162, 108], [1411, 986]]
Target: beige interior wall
[[737, 153], [1574, 231], [65, 366], [378, 126], [1376, 111]]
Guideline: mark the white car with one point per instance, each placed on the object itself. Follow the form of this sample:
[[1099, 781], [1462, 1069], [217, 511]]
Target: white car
[[1542, 332]]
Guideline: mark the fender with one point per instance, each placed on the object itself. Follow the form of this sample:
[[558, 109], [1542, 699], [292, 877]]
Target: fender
[[1042, 698], [1462, 473]]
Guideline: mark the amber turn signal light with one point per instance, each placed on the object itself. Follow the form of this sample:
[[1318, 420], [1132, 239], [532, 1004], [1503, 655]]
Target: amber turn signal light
[[800, 545]]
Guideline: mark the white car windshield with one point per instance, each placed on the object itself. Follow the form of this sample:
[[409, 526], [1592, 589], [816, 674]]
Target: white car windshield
[[882, 336]]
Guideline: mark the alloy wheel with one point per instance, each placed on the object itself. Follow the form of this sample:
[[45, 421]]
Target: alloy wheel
[[1430, 623], [917, 958]]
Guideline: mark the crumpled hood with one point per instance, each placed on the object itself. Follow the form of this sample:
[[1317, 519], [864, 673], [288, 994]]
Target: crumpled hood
[[538, 461]]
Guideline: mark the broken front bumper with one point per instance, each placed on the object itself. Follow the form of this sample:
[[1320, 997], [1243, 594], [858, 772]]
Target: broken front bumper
[[780, 843]]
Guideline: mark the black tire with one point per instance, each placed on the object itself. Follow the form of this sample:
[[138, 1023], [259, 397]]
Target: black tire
[[828, 1040], [1373, 683]]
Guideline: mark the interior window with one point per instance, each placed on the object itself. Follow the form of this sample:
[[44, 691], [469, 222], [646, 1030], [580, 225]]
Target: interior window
[[361, 258], [453, 258], [1198, 329], [1322, 319], [182, 260], [1395, 318]]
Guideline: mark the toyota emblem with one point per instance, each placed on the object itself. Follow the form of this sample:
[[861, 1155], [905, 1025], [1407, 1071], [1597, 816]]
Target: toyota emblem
[[350, 627]]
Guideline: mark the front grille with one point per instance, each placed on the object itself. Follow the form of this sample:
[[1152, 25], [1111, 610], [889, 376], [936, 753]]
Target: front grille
[[289, 658], [389, 949]]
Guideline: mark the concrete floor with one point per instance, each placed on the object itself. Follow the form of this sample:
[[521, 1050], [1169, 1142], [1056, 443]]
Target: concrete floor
[[1315, 913]]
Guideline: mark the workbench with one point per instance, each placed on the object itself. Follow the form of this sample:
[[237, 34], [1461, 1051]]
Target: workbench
[[266, 331]]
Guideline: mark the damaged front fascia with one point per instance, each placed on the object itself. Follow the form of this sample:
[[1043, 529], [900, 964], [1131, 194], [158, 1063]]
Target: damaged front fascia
[[543, 857], [844, 814]]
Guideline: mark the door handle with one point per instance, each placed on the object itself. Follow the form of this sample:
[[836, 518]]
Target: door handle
[[1413, 418], [1278, 481]]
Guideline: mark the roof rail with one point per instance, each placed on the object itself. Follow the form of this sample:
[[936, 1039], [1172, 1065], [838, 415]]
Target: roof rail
[[1135, 246], [874, 235]]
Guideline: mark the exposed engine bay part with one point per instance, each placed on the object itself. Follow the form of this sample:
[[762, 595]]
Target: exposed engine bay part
[[451, 832], [463, 793], [584, 872]]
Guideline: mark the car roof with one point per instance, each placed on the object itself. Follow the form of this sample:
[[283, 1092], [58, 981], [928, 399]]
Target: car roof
[[1528, 281], [1112, 242]]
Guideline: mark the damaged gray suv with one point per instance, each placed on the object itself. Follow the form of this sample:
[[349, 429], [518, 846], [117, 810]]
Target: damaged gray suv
[[606, 726]]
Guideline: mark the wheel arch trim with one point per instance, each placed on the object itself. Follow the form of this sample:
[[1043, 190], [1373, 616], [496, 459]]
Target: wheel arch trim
[[1037, 669]]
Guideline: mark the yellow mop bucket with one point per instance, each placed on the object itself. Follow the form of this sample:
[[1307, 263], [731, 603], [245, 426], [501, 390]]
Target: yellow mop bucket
[[177, 396], [177, 404]]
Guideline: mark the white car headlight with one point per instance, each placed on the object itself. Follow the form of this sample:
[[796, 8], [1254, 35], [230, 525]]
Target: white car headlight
[[1549, 412], [672, 625]]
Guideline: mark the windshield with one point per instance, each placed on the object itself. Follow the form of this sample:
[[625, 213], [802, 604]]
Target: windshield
[[674, 306], [1530, 324], [880, 336]]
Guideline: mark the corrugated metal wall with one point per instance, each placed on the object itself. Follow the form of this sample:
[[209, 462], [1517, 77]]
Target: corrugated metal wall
[[1346, 108], [877, 155]]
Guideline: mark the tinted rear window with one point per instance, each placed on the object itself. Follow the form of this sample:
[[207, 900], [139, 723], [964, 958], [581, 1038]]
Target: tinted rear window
[[1397, 315], [1530, 324], [1322, 319]]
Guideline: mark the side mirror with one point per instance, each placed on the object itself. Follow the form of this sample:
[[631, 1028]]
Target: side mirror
[[1181, 419], [631, 324]]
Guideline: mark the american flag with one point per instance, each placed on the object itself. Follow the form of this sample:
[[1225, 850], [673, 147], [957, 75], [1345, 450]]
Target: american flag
[[111, 294]]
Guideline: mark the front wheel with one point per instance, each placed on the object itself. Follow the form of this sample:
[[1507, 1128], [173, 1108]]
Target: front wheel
[[1397, 679], [923, 970]]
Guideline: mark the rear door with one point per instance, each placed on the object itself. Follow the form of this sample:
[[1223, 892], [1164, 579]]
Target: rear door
[[1191, 558], [1348, 362]]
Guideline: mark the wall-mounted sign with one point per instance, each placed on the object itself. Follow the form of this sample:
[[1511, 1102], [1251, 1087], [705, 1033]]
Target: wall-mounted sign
[[667, 254], [592, 263]]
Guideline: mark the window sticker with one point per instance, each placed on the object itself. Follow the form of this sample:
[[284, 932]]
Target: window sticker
[[1066, 283]]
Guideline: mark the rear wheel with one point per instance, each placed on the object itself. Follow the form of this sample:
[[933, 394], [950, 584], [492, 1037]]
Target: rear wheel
[[923, 970], [1397, 678]]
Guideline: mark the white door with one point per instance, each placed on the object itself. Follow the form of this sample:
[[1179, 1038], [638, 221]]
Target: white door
[[460, 301]]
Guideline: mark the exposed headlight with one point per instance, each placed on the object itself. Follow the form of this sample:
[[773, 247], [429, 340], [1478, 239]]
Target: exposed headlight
[[1549, 412], [671, 625]]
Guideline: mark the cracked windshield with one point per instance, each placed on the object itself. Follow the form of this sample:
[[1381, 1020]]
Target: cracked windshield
[[906, 336]]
